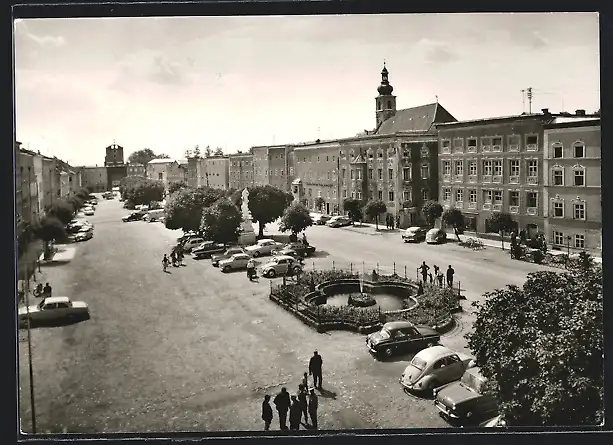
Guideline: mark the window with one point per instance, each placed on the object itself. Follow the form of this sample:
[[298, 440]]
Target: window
[[471, 144], [472, 195], [498, 168], [406, 173], [390, 196], [459, 195], [558, 209], [488, 195], [370, 173], [425, 195], [380, 173], [580, 241], [579, 177], [310, 192], [579, 210], [459, 168], [533, 168], [557, 149], [513, 198], [370, 194], [406, 195], [425, 171], [558, 238], [380, 195], [446, 167], [472, 168], [379, 154], [558, 176], [344, 193], [358, 195], [514, 167], [514, 143], [458, 143], [160, 176], [445, 143], [390, 174], [497, 141], [370, 155], [328, 175], [531, 199], [317, 158], [579, 150], [343, 173], [532, 140], [498, 196], [447, 194], [487, 168], [327, 158]]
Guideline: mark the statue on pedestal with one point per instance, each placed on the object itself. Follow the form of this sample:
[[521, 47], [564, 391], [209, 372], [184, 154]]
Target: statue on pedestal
[[247, 236]]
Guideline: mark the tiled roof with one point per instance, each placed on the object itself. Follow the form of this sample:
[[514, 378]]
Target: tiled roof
[[416, 119], [161, 161]]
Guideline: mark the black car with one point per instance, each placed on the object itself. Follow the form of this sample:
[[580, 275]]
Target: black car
[[296, 249], [401, 336], [208, 248], [134, 216]]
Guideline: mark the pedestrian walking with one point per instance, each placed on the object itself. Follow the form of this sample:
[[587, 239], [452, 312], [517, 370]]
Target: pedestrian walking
[[302, 399], [282, 403], [173, 258], [440, 277], [450, 273], [38, 263], [424, 271], [315, 365], [47, 290], [313, 405], [165, 262], [295, 414], [180, 256], [266, 412]]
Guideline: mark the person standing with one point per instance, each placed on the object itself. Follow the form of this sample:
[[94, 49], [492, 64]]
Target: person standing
[[282, 403], [305, 381], [436, 269], [424, 271], [313, 405], [440, 277], [295, 413], [302, 399], [450, 273], [266, 412], [315, 365], [47, 290], [430, 277]]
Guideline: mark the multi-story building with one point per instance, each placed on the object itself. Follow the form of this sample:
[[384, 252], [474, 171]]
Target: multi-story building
[[271, 166], [217, 172], [166, 170], [26, 186], [240, 171], [40, 185], [192, 171], [51, 180], [116, 168], [135, 169], [572, 194], [183, 170], [94, 178]]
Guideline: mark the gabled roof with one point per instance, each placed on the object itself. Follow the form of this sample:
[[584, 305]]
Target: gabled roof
[[359, 159], [419, 118], [161, 161]]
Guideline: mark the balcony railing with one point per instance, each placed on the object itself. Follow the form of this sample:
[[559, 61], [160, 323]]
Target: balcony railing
[[447, 178], [472, 178], [531, 211], [446, 150], [472, 149], [472, 205], [531, 147], [458, 149], [514, 180], [487, 178], [498, 179], [497, 148], [514, 147], [487, 206], [497, 207], [532, 180], [513, 209], [486, 148]]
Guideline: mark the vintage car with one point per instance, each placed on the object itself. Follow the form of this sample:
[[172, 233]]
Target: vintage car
[[192, 242], [339, 221], [133, 216], [436, 236], [186, 236], [434, 367], [319, 219], [280, 265], [208, 248], [215, 259], [414, 234], [83, 235], [53, 309], [463, 402], [263, 247], [296, 249], [397, 336], [79, 226], [88, 211], [235, 262]]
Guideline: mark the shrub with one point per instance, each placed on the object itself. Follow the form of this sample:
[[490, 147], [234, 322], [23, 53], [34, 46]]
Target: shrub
[[435, 305], [347, 314], [538, 256], [361, 300]]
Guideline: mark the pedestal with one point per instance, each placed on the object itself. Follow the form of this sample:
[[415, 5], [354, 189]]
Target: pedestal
[[247, 236]]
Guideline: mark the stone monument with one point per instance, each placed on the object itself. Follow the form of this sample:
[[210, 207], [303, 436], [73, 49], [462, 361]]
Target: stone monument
[[247, 234]]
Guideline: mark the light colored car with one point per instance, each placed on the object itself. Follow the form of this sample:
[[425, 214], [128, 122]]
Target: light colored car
[[436, 236], [280, 265], [414, 234], [88, 211], [216, 258], [434, 367], [192, 242], [83, 235], [319, 219], [54, 309], [235, 262], [339, 221], [154, 215], [263, 247]]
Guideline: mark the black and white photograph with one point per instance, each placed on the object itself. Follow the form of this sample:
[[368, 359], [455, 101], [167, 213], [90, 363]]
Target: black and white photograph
[[308, 224]]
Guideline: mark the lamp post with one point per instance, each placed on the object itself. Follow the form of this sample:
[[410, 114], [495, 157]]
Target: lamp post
[[568, 245]]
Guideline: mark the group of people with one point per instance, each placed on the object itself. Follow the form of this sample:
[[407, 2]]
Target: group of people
[[176, 258], [389, 221], [39, 291], [438, 274], [304, 403]]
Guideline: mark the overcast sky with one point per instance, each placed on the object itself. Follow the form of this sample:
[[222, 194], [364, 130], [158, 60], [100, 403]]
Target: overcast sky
[[172, 83]]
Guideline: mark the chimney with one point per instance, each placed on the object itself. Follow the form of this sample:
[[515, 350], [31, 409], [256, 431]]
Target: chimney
[[580, 112], [545, 111]]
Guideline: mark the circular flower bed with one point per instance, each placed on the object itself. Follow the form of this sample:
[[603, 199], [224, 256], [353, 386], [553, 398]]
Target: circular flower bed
[[361, 300]]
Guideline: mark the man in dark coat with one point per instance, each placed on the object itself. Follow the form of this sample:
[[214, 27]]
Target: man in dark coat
[[313, 405], [266, 412], [302, 399], [295, 413], [424, 268], [315, 369], [282, 403], [450, 273]]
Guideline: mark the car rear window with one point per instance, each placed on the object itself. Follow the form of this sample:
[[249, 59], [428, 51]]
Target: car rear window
[[419, 363]]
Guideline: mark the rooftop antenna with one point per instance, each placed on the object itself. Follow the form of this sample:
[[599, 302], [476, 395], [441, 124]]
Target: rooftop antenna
[[529, 94], [523, 100], [436, 98]]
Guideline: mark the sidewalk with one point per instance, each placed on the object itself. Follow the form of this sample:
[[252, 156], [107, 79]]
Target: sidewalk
[[63, 254]]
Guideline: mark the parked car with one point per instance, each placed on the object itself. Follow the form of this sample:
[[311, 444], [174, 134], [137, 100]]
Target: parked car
[[263, 247], [434, 367], [414, 234], [128, 205], [295, 249], [88, 211], [83, 235], [215, 259], [208, 248], [53, 309], [319, 219], [397, 336], [133, 216], [154, 215], [235, 262], [191, 243], [463, 402], [339, 221], [436, 236], [79, 227], [280, 265]]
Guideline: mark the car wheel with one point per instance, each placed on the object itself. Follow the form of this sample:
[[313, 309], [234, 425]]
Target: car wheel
[[226, 269], [256, 254], [388, 352], [271, 273]]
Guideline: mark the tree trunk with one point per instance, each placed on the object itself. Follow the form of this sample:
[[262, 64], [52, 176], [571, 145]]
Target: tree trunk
[[261, 230], [376, 222], [502, 239]]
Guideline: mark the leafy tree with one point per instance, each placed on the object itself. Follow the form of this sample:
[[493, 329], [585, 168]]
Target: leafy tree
[[373, 209], [353, 207], [146, 191], [75, 202], [174, 186], [218, 152], [501, 223], [454, 218], [266, 204], [83, 194], [221, 222], [208, 152], [184, 207], [196, 152], [49, 229], [142, 156], [187, 154], [541, 347], [431, 211], [128, 183], [319, 203], [61, 210], [296, 218], [237, 198], [162, 156]]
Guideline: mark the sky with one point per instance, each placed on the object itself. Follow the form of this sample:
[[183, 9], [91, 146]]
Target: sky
[[170, 84]]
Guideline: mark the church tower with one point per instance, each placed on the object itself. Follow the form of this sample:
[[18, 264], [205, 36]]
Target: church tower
[[385, 101]]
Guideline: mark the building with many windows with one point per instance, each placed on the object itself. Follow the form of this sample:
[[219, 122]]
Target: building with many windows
[[272, 166], [217, 172], [240, 170], [135, 169], [572, 193], [166, 170], [94, 178]]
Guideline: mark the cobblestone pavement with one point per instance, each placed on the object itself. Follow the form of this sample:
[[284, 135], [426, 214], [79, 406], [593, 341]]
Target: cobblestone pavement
[[196, 349]]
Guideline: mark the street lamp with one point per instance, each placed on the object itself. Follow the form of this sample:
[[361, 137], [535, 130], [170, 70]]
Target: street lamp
[[568, 245]]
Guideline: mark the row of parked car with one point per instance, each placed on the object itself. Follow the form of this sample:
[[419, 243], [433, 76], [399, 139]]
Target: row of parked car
[[79, 229], [417, 234], [452, 378]]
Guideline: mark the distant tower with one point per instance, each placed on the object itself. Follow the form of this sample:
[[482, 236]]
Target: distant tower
[[385, 101], [114, 155]]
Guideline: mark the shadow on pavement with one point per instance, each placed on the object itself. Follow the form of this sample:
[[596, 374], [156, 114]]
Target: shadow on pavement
[[56, 323], [318, 254], [327, 394], [406, 357]]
